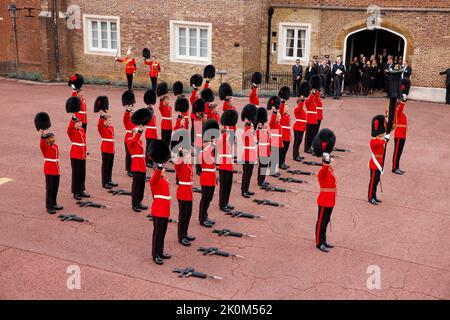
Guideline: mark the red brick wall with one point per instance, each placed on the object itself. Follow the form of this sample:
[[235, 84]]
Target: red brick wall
[[365, 3]]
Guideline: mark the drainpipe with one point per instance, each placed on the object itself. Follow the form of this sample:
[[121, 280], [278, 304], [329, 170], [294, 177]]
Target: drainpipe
[[56, 41], [269, 32]]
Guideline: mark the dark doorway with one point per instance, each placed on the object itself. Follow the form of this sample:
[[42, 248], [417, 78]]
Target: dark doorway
[[369, 42]]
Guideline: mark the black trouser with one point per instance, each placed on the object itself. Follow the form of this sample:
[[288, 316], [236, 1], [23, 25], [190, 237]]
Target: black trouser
[[447, 95], [159, 233], [78, 175], [166, 136], [154, 81], [247, 171], [207, 196], [84, 126], [192, 132], [374, 180], [138, 187], [296, 87], [51, 187], [298, 137], [262, 169], [321, 224], [107, 166], [311, 131], [127, 159], [283, 151], [274, 159], [337, 86], [226, 181], [147, 158], [318, 125], [398, 149], [130, 81], [184, 216]]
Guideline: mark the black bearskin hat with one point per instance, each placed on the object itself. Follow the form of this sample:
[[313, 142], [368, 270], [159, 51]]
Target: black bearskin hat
[[249, 113], [225, 91], [128, 98], [378, 125], [142, 116], [198, 106], [273, 102], [42, 121], [207, 95], [209, 72], [73, 104], [177, 88], [211, 125], [150, 97], [76, 81], [284, 93], [146, 53], [101, 103], [256, 78], [305, 89], [162, 89], [196, 81], [316, 82], [229, 118], [261, 115], [182, 104], [158, 151], [323, 142]]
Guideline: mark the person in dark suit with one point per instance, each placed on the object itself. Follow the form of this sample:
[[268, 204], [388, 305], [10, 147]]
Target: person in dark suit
[[447, 85], [324, 70], [297, 73], [337, 75], [310, 71], [354, 76], [407, 70]]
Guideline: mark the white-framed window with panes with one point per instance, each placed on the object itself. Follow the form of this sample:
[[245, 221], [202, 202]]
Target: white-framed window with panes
[[101, 34], [190, 42], [294, 42]]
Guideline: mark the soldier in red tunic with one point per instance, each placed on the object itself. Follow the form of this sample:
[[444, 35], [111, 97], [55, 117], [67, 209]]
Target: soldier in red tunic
[[138, 168], [50, 151], [400, 128], [248, 116], [323, 145], [195, 82], [128, 101], [106, 131], [151, 132], [312, 126], [300, 120], [160, 188], [181, 127], [130, 67], [285, 122], [256, 80], [76, 81], [263, 143], [154, 70], [166, 112], [276, 137], [377, 146]]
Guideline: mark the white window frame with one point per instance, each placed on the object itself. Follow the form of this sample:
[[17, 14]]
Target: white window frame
[[174, 25], [282, 32], [88, 49]]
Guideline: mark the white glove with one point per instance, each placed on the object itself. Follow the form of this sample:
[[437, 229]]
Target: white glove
[[116, 58], [326, 157], [387, 137]]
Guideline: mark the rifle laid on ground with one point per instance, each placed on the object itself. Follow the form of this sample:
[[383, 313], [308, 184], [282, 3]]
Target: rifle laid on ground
[[342, 150], [268, 203], [84, 204], [188, 272], [306, 173], [150, 217], [119, 192], [215, 251], [312, 163], [228, 232], [240, 214], [71, 217], [289, 179]]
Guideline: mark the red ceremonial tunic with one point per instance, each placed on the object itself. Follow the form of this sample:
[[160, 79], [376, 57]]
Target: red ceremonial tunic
[[300, 117], [206, 158], [154, 68], [198, 138], [150, 129], [377, 148], [319, 106], [166, 116], [285, 123], [263, 138], [107, 135], [160, 189], [327, 182], [184, 174], [78, 139], [253, 98], [82, 114], [136, 150], [276, 137], [226, 106], [249, 145], [194, 96], [128, 125], [311, 111], [225, 155], [130, 65], [401, 123], [51, 158]]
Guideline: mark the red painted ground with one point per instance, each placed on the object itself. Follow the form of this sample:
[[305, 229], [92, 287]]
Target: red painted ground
[[407, 236]]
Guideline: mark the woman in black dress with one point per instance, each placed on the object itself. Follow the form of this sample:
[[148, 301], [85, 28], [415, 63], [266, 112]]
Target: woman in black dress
[[310, 71]]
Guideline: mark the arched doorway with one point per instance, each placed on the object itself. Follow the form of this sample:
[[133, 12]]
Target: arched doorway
[[372, 42]]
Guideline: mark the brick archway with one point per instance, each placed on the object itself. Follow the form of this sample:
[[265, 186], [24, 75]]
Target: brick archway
[[361, 25]]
